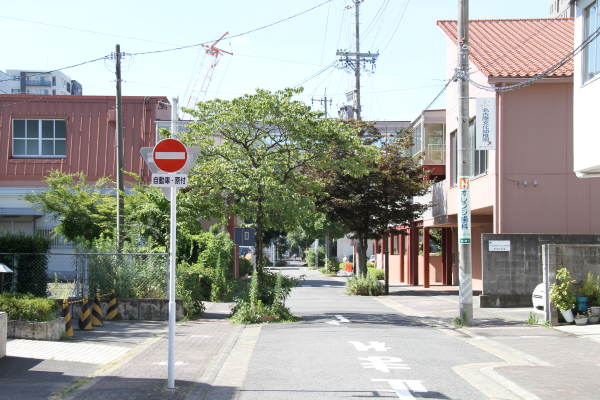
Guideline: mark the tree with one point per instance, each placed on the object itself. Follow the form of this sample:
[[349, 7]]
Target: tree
[[84, 210], [371, 206], [253, 151]]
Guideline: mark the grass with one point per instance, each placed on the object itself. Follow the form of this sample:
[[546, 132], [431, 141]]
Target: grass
[[77, 383], [534, 320], [460, 322]]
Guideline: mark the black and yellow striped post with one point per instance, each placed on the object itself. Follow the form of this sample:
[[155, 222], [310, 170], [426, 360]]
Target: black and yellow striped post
[[97, 312], [111, 312], [85, 322], [67, 315]]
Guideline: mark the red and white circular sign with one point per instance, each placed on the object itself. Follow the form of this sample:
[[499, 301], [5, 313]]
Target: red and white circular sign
[[170, 155]]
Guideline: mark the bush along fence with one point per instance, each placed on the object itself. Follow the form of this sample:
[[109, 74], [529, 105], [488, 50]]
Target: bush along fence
[[130, 275]]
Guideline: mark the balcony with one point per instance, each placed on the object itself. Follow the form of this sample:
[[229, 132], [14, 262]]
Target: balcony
[[38, 82]]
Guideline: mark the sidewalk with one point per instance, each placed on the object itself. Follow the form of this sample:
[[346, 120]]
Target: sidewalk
[[537, 362]]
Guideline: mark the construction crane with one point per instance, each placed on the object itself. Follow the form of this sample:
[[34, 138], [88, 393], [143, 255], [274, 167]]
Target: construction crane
[[211, 58]]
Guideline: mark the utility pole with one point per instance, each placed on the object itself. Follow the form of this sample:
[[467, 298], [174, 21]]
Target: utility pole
[[465, 301], [324, 101], [354, 60], [120, 186]]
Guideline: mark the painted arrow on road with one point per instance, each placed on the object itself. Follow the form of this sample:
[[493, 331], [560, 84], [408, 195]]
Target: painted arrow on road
[[340, 318]]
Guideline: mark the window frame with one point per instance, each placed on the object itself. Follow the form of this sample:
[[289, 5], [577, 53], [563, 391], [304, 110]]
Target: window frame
[[39, 138], [590, 52]]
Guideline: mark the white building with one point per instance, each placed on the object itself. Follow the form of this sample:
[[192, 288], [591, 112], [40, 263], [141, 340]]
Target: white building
[[35, 82], [562, 9], [586, 86]]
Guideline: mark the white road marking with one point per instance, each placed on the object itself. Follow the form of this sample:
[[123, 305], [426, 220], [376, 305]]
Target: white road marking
[[61, 351], [383, 364], [400, 387], [176, 363], [340, 318], [377, 346]]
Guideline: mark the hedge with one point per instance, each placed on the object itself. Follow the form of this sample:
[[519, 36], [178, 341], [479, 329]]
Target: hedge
[[28, 308]]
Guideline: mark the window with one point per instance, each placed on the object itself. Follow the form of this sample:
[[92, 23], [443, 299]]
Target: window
[[39, 138], [454, 144], [246, 235], [53, 81], [591, 64], [15, 91]]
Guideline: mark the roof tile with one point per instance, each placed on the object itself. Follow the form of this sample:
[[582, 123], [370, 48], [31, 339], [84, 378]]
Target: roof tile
[[518, 47]]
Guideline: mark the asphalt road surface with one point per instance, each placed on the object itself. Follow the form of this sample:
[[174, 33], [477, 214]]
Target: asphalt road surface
[[355, 347]]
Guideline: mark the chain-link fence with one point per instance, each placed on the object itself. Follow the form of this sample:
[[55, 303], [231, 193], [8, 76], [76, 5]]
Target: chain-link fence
[[75, 275]]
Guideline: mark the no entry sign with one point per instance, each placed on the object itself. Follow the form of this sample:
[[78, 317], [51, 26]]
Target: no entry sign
[[170, 155]]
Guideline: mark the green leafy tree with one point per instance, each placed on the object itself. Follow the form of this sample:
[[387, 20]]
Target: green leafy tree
[[371, 206], [254, 150], [84, 210]]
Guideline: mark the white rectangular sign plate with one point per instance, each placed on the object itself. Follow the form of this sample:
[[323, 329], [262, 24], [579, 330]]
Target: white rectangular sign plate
[[485, 125], [499, 245], [169, 180]]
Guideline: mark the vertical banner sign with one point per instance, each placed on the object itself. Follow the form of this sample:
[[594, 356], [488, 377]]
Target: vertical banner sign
[[485, 124], [464, 211]]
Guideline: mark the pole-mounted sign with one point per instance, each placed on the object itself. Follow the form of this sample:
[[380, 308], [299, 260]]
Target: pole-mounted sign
[[170, 161], [170, 155]]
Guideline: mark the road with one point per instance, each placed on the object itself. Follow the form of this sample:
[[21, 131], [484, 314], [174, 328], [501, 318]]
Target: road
[[355, 347]]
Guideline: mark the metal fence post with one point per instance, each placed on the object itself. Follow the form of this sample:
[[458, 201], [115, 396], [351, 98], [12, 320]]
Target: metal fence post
[[15, 273], [85, 275]]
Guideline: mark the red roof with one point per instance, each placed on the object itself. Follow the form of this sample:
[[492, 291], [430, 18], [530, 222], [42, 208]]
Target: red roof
[[517, 47]]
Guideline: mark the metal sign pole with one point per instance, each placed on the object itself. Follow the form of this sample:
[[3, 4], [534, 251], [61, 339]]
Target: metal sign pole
[[172, 308]]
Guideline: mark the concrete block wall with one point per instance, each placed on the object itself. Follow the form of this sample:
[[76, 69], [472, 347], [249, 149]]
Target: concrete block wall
[[3, 333], [509, 278], [579, 260], [136, 309]]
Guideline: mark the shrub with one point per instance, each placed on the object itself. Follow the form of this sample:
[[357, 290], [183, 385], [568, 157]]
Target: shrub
[[254, 302], [193, 285], [31, 269], [562, 293], [364, 285], [310, 257], [378, 274], [28, 308], [370, 265], [245, 266], [588, 287], [223, 284]]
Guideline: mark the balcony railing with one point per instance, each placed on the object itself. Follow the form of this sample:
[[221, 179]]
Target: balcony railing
[[38, 82], [434, 154]]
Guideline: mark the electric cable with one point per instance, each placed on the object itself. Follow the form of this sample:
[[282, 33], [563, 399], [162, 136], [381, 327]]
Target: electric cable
[[60, 69]]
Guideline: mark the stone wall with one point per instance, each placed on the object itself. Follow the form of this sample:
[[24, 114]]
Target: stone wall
[[510, 277], [579, 260]]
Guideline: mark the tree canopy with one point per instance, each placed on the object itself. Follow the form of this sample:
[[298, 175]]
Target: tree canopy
[[373, 205], [254, 150]]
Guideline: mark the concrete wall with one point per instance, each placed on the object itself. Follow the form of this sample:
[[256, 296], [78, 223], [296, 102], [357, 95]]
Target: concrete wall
[[509, 278], [577, 259], [3, 331], [135, 309]]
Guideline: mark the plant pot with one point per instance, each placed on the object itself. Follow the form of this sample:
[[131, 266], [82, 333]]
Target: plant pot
[[581, 303], [593, 320], [581, 321], [595, 310], [568, 315]]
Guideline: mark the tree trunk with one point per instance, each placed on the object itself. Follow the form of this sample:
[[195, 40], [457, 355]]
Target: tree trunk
[[259, 250], [361, 255]]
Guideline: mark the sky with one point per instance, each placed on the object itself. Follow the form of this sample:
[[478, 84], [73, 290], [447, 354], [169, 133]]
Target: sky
[[409, 71]]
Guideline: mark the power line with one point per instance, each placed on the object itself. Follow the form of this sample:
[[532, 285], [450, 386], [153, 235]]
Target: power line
[[397, 26], [234, 36], [60, 69], [313, 75]]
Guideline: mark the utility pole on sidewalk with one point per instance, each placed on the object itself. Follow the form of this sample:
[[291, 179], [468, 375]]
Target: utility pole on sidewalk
[[324, 101], [120, 186], [464, 170]]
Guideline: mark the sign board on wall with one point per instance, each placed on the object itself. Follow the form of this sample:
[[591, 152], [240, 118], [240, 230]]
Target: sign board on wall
[[485, 124], [499, 245]]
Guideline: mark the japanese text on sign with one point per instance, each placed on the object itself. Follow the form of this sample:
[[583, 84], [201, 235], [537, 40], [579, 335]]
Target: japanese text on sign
[[169, 180], [485, 129], [464, 211]]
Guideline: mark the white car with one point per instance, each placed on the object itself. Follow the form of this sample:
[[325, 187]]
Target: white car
[[372, 259], [539, 297]]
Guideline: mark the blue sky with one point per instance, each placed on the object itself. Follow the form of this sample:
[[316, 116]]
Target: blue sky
[[409, 72]]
